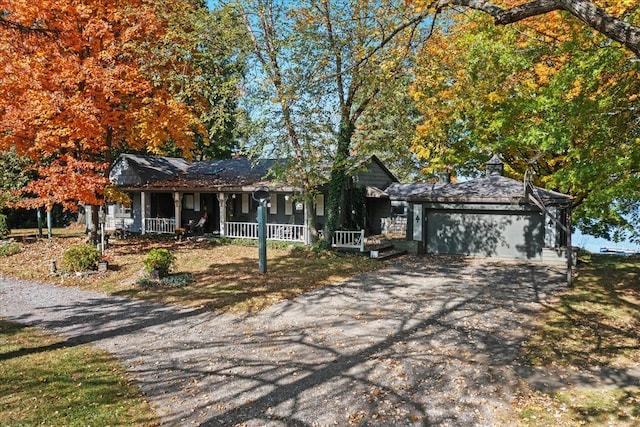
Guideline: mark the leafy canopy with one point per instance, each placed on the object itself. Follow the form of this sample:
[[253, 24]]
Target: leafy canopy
[[76, 94], [549, 97]]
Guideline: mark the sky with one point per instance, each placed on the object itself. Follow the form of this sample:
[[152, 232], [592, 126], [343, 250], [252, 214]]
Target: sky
[[593, 244]]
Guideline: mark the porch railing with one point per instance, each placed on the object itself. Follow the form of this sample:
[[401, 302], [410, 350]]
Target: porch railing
[[160, 225], [348, 239], [249, 230], [286, 232]]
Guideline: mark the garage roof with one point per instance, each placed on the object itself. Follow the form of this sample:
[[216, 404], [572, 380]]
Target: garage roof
[[488, 189]]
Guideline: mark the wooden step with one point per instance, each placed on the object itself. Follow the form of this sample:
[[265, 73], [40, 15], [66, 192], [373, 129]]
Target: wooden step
[[385, 251], [391, 254]]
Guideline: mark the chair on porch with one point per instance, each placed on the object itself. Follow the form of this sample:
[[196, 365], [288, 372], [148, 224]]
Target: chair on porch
[[202, 222]]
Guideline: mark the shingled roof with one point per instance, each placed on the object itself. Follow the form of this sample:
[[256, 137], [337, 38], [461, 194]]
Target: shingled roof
[[137, 171], [488, 189]]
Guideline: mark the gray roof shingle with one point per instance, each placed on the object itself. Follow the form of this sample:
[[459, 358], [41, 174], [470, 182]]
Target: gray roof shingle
[[490, 189]]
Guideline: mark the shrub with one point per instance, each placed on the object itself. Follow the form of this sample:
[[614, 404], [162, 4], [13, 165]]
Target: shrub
[[173, 281], [160, 260], [81, 258], [9, 249], [4, 228]]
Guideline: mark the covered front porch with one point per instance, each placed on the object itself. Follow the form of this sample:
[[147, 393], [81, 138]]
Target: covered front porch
[[224, 214]]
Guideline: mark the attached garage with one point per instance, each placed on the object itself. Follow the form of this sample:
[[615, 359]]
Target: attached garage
[[484, 233], [491, 216]]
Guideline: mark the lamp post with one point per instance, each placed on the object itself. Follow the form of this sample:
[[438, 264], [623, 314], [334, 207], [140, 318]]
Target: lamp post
[[261, 195]]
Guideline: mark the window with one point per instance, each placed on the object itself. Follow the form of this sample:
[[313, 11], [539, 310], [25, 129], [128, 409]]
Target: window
[[196, 202], [320, 205], [245, 203], [274, 205], [187, 201], [288, 205]]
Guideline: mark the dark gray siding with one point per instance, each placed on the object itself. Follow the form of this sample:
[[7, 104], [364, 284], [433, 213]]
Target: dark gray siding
[[374, 176]]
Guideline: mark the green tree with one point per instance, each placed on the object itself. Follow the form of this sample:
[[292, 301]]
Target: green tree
[[324, 64], [560, 104], [201, 58]]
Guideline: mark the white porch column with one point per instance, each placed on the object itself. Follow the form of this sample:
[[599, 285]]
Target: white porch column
[[143, 211], [177, 199], [307, 207], [222, 203]]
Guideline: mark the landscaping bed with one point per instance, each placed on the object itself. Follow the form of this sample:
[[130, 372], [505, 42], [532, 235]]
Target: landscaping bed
[[224, 272]]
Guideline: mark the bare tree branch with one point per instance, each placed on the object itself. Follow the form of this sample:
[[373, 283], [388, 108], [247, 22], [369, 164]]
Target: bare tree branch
[[586, 11], [21, 28]]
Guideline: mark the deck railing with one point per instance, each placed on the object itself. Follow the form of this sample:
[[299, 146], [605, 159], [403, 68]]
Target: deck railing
[[160, 225], [348, 240], [249, 230]]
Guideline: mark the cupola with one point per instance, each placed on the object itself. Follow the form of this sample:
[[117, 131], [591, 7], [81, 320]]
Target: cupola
[[495, 166]]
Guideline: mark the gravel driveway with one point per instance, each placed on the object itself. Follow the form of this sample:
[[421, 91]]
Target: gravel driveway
[[423, 342]]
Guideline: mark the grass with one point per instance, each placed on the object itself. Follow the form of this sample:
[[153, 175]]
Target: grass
[[42, 382], [594, 325], [225, 275]]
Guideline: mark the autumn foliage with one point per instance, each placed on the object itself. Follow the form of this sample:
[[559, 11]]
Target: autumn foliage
[[77, 87], [549, 95]]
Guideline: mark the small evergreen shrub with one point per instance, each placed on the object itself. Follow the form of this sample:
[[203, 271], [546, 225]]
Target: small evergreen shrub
[[173, 281], [4, 227], [81, 258], [160, 260], [9, 249]]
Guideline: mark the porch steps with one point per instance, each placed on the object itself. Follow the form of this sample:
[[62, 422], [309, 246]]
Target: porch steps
[[384, 251]]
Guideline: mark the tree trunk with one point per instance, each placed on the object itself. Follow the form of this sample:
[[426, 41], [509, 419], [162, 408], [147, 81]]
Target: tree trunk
[[93, 224], [339, 183]]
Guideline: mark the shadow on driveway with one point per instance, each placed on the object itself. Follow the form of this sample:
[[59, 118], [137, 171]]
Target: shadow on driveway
[[419, 343]]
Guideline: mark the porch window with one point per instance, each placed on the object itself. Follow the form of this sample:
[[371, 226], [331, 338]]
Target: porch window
[[187, 201], [196, 202], [245, 203], [320, 205], [288, 205], [273, 205]]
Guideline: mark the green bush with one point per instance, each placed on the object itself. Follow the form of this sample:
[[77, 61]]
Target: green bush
[[81, 258], [172, 281], [9, 249], [159, 259], [4, 228]]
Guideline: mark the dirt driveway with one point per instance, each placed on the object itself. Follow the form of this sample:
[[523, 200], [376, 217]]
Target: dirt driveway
[[423, 342]]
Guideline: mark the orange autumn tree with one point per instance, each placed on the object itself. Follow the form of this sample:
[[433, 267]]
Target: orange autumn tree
[[77, 88]]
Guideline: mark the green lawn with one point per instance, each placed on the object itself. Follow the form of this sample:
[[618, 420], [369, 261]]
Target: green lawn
[[593, 326], [42, 382]]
